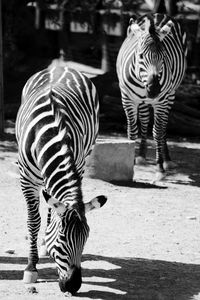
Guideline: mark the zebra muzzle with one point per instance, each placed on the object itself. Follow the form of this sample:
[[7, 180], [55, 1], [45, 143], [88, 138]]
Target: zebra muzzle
[[72, 282], [153, 87]]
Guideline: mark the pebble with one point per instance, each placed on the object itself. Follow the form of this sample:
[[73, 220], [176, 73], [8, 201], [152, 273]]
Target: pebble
[[192, 218], [68, 294], [32, 290], [10, 251]]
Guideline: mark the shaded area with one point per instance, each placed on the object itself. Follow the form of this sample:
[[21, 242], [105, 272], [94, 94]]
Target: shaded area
[[14, 274], [187, 159], [184, 152], [8, 147], [140, 185], [21, 260], [8, 139], [146, 279], [125, 278]]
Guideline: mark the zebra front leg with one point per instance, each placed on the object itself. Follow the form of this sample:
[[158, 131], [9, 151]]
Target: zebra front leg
[[31, 194], [144, 116], [131, 115], [168, 164], [159, 134]]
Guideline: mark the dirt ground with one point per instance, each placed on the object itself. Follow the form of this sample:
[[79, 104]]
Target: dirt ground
[[144, 243]]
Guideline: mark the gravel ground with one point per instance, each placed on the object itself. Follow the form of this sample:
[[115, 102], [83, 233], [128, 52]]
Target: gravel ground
[[143, 244]]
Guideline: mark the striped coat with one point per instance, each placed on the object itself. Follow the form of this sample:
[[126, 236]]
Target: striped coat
[[56, 128], [150, 65]]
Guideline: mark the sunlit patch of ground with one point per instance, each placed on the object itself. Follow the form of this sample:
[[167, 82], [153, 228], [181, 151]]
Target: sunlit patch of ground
[[143, 244]]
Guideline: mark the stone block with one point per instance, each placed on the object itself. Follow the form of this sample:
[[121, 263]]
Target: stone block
[[111, 160]]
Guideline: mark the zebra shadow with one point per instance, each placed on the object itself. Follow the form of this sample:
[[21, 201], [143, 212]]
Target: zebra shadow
[[138, 184], [185, 154], [8, 145], [111, 278], [16, 273]]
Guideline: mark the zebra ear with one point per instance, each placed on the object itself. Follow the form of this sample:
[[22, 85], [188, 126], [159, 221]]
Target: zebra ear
[[132, 20], [147, 25], [165, 30], [59, 207], [134, 29], [96, 202]]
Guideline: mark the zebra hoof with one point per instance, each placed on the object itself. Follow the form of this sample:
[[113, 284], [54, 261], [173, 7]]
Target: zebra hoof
[[43, 251], [30, 277], [140, 160], [160, 176], [169, 165]]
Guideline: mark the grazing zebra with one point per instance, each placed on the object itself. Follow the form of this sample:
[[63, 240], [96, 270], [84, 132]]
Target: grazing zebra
[[56, 127], [150, 66]]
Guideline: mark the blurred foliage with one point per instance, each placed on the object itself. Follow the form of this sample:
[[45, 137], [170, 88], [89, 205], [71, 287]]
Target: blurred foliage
[[19, 19], [17, 24], [92, 4], [124, 4]]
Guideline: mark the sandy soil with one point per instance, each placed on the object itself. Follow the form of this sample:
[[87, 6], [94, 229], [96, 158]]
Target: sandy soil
[[144, 243]]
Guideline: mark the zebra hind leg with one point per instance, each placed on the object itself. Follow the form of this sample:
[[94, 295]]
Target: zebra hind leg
[[159, 134], [168, 164], [141, 158]]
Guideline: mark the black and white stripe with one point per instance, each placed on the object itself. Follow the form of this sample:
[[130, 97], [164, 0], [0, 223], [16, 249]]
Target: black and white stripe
[[150, 66], [56, 128]]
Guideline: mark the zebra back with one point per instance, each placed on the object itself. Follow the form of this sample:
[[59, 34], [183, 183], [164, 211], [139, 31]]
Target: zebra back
[[56, 126]]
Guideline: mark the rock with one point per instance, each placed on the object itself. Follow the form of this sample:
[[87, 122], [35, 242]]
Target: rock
[[192, 218], [10, 251], [32, 290], [111, 160], [68, 294]]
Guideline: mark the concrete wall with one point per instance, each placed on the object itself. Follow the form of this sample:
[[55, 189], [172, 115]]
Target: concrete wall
[[111, 159]]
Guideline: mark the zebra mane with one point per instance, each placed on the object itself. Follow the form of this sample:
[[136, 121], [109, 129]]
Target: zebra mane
[[57, 110], [143, 24], [151, 30], [150, 26], [74, 180]]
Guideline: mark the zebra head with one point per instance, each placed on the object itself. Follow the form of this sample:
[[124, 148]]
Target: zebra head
[[150, 54], [65, 238]]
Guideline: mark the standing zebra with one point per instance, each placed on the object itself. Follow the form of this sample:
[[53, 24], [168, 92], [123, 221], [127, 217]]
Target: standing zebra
[[150, 66], [56, 127]]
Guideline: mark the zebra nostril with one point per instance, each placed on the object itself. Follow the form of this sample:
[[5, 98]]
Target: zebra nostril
[[153, 86]]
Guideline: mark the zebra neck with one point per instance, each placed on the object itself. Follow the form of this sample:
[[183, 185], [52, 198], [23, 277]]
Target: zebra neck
[[66, 192], [62, 180], [64, 184]]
